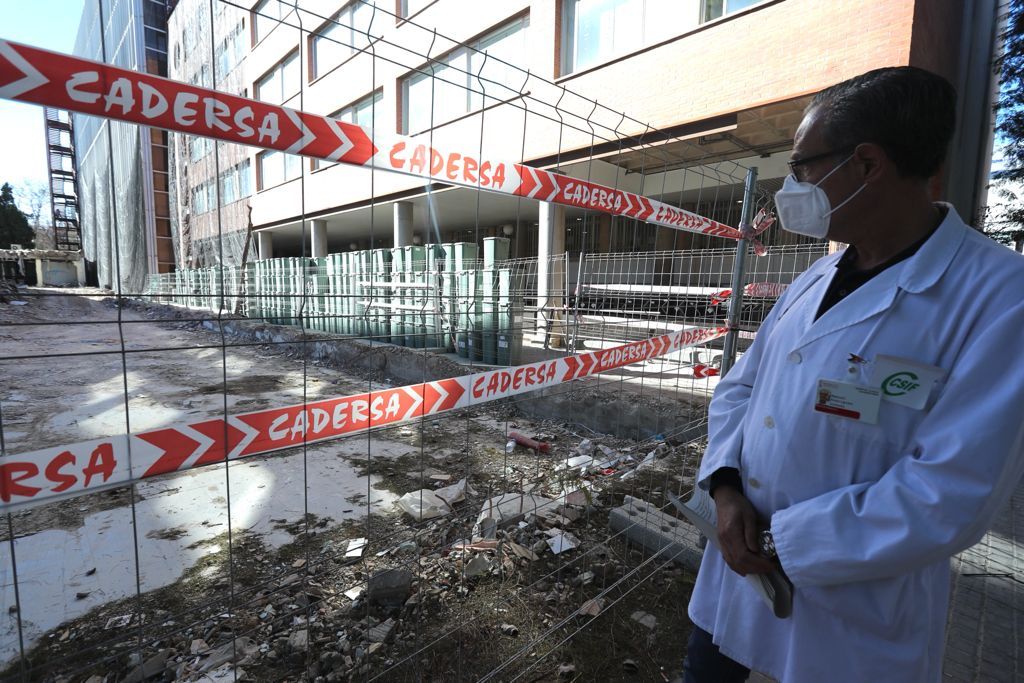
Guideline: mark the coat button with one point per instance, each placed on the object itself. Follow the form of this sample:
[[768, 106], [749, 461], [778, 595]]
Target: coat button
[[769, 422], [795, 357]]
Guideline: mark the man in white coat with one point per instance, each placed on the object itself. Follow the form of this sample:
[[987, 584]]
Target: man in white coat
[[876, 425]]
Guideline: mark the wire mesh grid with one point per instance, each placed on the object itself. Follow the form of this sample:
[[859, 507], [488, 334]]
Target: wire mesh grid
[[299, 564]]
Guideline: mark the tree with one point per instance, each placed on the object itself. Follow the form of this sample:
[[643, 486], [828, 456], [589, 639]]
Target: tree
[[14, 227], [34, 198], [1007, 225]]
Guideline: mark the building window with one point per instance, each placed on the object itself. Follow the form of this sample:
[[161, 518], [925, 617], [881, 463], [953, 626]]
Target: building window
[[266, 16], [235, 183], [344, 35], [594, 31], [362, 113], [229, 51], [204, 198], [407, 8], [276, 168], [280, 83], [466, 80]]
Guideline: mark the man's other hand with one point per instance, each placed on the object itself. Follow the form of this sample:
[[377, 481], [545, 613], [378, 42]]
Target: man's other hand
[[738, 533]]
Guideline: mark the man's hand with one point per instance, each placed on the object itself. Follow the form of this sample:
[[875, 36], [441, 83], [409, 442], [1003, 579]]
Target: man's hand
[[738, 532]]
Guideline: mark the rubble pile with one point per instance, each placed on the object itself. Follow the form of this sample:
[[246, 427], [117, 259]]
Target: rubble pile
[[462, 555]]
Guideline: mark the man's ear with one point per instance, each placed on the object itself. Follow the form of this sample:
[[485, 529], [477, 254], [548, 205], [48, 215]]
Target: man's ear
[[872, 161]]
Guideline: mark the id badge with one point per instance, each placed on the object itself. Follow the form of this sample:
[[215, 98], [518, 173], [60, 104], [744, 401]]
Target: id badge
[[852, 401], [905, 381]]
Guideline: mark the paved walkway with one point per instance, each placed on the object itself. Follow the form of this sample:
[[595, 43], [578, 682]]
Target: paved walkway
[[985, 632]]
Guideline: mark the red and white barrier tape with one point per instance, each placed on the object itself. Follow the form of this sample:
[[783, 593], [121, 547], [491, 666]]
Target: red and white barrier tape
[[30, 74], [42, 476]]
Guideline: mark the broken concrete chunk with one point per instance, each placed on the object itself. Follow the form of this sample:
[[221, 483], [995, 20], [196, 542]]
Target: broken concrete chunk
[[510, 508], [644, 619], [423, 504], [380, 632], [298, 641], [522, 551], [452, 494], [389, 587], [153, 666], [478, 566], [592, 607]]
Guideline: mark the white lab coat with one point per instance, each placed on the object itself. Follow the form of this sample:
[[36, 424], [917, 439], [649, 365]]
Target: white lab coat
[[865, 517]]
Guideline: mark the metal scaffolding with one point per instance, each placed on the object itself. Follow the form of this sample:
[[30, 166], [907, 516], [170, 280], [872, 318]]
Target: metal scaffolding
[[60, 155]]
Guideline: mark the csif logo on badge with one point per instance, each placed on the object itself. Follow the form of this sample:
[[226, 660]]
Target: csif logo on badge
[[900, 383]]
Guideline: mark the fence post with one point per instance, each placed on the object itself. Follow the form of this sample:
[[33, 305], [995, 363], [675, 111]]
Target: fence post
[[738, 274]]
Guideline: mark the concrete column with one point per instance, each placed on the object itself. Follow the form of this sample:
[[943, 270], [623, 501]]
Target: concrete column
[[403, 224], [80, 270], [550, 275], [265, 241], [40, 270], [318, 231]]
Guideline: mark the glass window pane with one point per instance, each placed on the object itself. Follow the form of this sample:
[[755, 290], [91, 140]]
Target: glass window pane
[[418, 101], [292, 166], [271, 169], [736, 5], [291, 76]]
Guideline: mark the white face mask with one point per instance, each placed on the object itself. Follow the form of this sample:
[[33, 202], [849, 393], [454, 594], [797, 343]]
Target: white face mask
[[804, 207]]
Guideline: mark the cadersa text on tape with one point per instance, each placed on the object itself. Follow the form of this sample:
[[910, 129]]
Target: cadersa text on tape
[[354, 413], [593, 196], [60, 471], [623, 355], [425, 160], [152, 104], [495, 383]]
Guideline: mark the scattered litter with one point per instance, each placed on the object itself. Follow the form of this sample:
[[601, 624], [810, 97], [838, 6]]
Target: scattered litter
[[355, 548], [630, 666], [19, 303], [509, 630], [297, 564], [118, 622], [566, 670], [91, 572], [510, 445], [81, 596], [423, 504], [560, 541], [478, 566], [541, 446], [354, 593], [583, 462], [585, 447]]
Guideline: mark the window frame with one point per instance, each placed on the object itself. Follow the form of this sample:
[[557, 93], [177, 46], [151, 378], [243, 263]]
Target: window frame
[[436, 66], [376, 98], [279, 68]]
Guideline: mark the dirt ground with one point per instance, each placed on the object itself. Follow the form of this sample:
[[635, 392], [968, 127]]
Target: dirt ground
[[252, 570]]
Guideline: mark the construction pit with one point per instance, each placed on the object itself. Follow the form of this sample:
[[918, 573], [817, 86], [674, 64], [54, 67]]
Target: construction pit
[[317, 570]]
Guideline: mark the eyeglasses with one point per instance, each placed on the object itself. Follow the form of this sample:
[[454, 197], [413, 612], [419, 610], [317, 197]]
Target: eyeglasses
[[795, 164]]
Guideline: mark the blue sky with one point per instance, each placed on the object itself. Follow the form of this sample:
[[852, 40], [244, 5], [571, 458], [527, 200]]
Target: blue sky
[[50, 24]]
